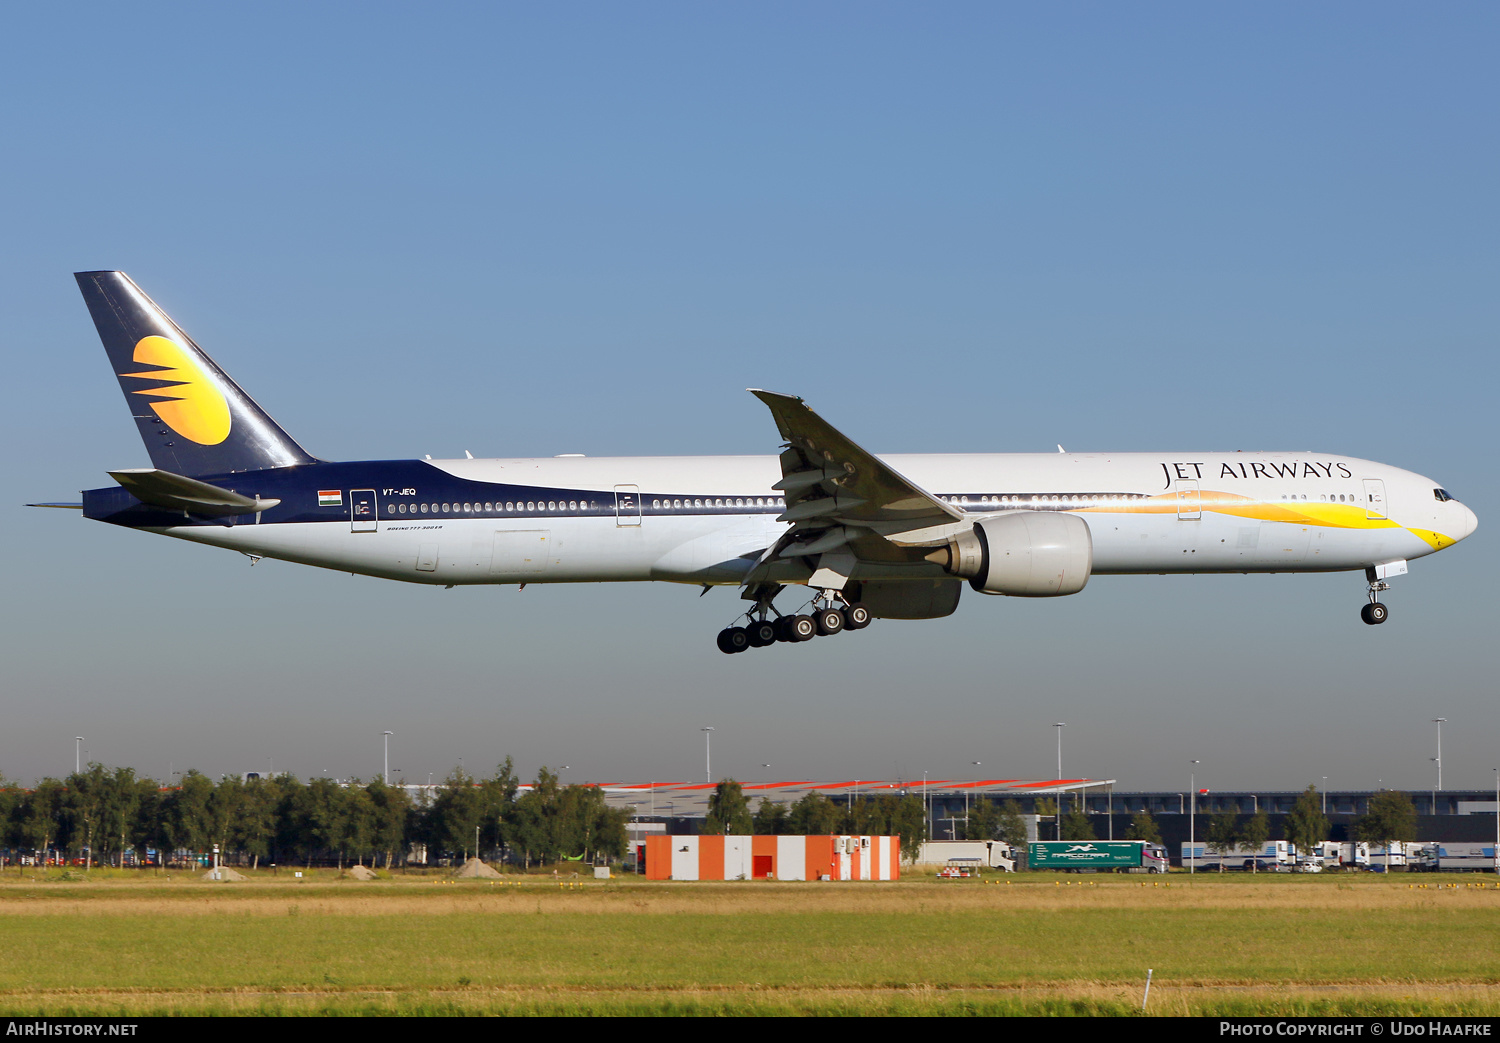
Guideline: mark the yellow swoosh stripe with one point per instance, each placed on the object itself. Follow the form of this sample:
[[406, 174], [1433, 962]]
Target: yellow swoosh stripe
[[1326, 515]]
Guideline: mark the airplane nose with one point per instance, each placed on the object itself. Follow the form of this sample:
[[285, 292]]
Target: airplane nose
[[1470, 521]]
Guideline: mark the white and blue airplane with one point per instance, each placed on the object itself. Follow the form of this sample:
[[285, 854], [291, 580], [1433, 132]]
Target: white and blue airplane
[[867, 537]]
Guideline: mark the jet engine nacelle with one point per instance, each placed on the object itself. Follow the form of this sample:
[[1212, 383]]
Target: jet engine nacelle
[[1027, 554]]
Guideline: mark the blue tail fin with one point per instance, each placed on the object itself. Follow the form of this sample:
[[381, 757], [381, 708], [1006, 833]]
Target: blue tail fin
[[193, 418]]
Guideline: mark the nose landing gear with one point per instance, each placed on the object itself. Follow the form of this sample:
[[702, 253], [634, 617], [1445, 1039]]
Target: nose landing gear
[[1375, 613]]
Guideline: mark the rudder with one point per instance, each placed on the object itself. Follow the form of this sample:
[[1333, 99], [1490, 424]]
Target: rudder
[[193, 418]]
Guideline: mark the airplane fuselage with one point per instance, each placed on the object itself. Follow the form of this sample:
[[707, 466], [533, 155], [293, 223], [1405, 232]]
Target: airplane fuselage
[[705, 519], [867, 536]]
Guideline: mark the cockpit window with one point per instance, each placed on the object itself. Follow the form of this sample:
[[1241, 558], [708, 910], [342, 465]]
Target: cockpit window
[[1442, 495]]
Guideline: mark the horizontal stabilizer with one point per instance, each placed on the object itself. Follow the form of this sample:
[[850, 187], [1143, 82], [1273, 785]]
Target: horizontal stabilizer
[[165, 489]]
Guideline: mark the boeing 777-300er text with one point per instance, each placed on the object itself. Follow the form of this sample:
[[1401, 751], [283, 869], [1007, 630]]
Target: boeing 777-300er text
[[869, 537]]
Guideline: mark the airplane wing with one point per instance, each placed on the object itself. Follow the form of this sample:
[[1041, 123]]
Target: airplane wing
[[845, 505]]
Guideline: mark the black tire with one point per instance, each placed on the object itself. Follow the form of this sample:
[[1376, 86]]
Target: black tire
[[802, 628], [830, 621], [762, 633], [783, 626], [856, 617], [1374, 613], [733, 639]]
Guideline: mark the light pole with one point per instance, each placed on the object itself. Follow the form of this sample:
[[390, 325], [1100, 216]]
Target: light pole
[[1325, 794], [927, 808], [1059, 726], [708, 754], [1192, 814], [386, 777], [1439, 722], [77, 754], [967, 791]]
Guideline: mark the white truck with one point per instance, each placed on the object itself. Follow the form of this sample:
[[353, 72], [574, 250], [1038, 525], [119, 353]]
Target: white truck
[[1334, 854], [979, 854], [1444, 857], [1273, 856]]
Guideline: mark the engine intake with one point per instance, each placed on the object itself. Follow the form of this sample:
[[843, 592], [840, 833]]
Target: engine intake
[[1026, 554]]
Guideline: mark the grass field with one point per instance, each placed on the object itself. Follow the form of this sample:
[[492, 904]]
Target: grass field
[[137, 944]]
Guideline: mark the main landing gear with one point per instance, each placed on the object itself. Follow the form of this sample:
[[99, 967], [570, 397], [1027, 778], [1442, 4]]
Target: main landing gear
[[1375, 613], [824, 621]]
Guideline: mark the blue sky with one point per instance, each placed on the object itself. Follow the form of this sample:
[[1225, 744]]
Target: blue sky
[[537, 229]]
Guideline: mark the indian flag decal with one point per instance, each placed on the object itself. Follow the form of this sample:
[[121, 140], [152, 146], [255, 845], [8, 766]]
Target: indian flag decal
[[330, 497]]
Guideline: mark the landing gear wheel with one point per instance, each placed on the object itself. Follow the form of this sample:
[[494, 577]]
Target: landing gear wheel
[[856, 617], [733, 639], [762, 633], [802, 628], [783, 627], [830, 621], [1374, 613]]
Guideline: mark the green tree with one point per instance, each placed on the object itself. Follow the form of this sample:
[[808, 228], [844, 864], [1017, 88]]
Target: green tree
[[497, 796], [984, 820], [1306, 825], [1223, 835], [588, 825], [1012, 827], [728, 810], [1077, 826], [907, 819], [1254, 834], [1143, 827], [87, 801], [814, 815], [254, 831], [359, 823], [533, 819], [12, 798], [38, 817], [186, 813], [770, 818], [117, 818], [458, 810], [323, 819], [393, 815], [227, 804], [1391, 817]]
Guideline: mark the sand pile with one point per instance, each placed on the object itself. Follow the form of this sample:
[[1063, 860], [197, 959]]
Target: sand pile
[[473, 867], [225, 875]]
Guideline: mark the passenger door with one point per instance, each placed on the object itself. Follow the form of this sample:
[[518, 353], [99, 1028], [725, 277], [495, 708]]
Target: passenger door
[[627, 505], [363, 510]]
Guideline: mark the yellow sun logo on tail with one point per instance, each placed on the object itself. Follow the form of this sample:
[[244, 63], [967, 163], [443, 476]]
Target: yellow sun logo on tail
[[190, 404]]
